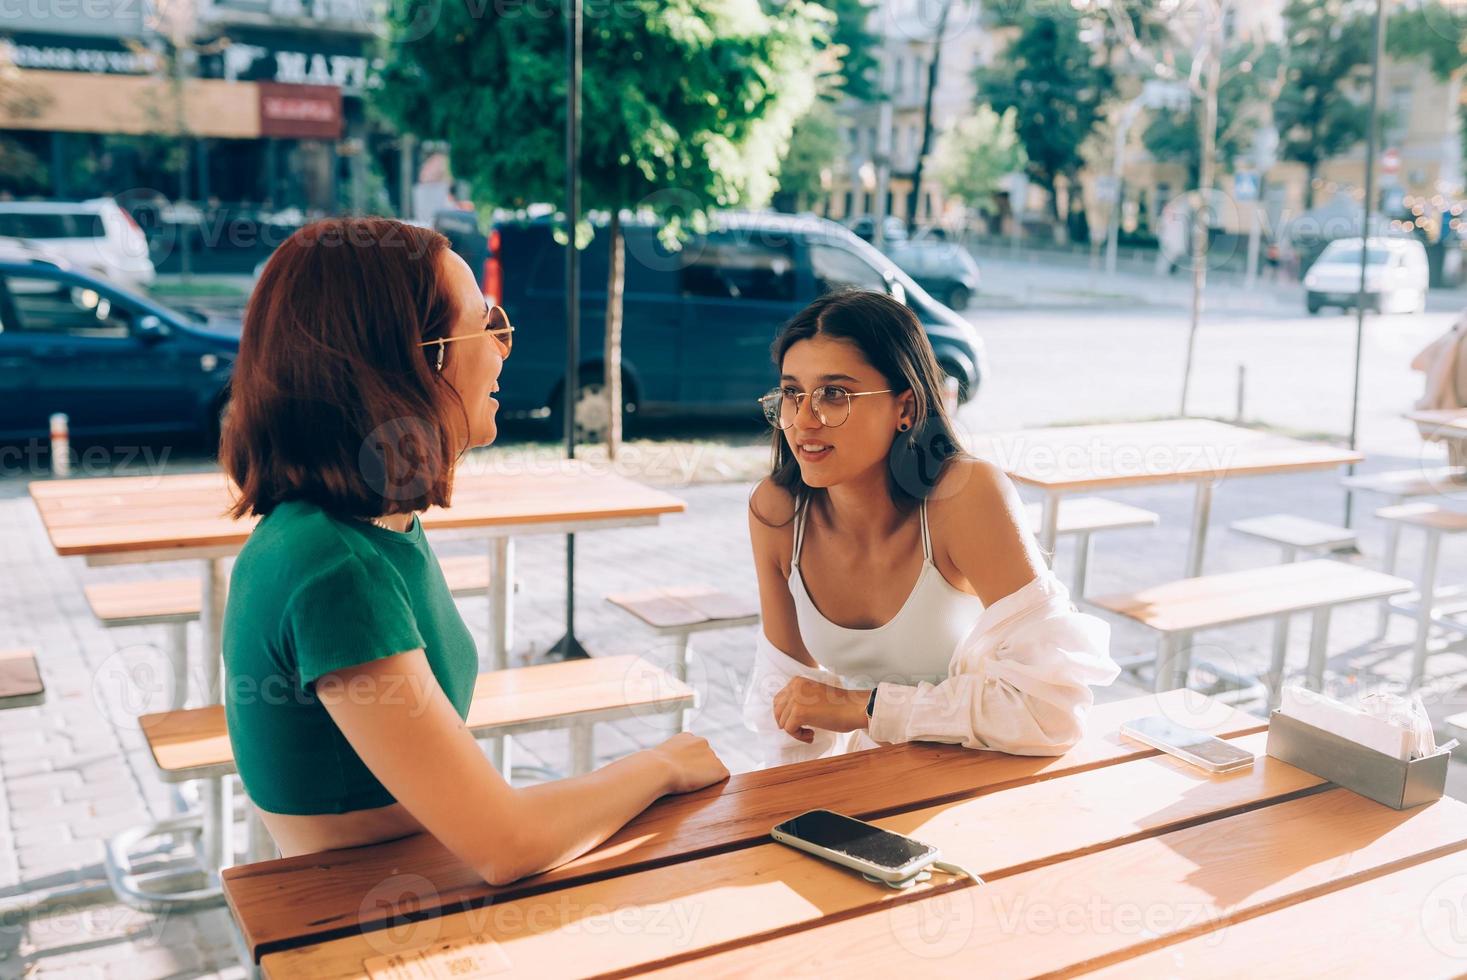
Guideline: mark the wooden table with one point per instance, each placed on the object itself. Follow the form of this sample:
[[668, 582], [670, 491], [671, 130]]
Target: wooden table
[[1108, 856], [133, 520], [1072, 459]]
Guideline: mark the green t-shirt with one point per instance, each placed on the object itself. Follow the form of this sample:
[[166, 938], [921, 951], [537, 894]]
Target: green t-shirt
[[311, 593]]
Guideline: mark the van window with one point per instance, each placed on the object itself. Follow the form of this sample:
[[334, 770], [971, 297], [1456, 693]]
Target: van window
[[20, 224], [837, 268], [720, 268]]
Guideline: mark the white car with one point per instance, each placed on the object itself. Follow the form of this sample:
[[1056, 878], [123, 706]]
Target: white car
[[95, 236], [1396, 276]]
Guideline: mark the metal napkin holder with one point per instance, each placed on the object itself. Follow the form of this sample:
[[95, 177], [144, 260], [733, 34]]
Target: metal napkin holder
[[1399, 784]]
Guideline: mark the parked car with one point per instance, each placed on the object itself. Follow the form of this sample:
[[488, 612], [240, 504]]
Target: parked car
[[697, 322], [945, 269], [893, 229], [113, 360], [96, 236], [1396, 276]]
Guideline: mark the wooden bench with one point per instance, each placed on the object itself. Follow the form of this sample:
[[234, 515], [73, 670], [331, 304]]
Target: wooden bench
[[1178, 609], [20, 679], [681, 611], [193, 743], [1425, 605], [1085, 516], [1399, 486], [176, 602]]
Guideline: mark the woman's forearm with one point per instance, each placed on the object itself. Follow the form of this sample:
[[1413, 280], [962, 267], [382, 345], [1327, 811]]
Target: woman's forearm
[[563, 819]]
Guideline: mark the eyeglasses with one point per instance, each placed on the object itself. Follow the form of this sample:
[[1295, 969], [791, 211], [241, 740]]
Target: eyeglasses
[[498, 327], [830, 403]]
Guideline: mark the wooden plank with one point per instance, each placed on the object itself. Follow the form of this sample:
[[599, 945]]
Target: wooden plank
[[290, 901], [728, 898], [1425, 515], [1409, 923], [684, 605], [20, 679], [198, 738], [1109, 456], [126, 514], [1210, 881], [1254, 593], [151, 599]]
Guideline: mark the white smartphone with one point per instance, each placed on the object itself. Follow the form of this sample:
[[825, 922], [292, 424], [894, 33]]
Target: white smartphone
[[1188, 744], [856, 844]]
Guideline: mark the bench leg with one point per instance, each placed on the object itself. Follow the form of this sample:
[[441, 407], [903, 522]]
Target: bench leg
[[1318, 645], [582, 747], [680, 657], [1082, 564], [1388, 565], [261, 845], [1275, 679], [1427, 588], [214, 794]]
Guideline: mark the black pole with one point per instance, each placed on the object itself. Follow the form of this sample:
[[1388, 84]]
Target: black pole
[[1369, 202], [569, 647]]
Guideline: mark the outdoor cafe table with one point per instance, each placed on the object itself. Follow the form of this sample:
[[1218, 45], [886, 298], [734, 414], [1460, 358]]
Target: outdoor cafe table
[[1072, 459], [1112, 856], [135, 520]]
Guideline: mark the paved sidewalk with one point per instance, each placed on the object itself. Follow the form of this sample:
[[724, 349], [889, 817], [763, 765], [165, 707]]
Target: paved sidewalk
[[74, 771]]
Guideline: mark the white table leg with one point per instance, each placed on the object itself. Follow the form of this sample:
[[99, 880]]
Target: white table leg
[[1166, 661], [1201, 513], [214, 793], [1318, 641], [1427, 588], [1082, 564], [1049, 525], [582, 747], [1388, 565], [1275, 680], [680, 655], [501, 631], [501, 601]]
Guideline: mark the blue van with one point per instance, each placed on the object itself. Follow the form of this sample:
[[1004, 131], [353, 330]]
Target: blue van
[[697, 322]]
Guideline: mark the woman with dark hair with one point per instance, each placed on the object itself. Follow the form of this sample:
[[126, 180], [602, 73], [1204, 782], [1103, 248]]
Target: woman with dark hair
[[366, 369], [903, 596]]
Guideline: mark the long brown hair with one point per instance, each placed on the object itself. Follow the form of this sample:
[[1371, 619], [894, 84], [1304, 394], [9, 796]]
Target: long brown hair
[[892, 340], [332, 401]]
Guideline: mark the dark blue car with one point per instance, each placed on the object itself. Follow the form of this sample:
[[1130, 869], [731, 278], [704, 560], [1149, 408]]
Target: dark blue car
[[697, 322], [113, 361]]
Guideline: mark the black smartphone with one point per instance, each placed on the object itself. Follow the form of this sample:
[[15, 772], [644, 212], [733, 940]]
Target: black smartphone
[[856, 844]]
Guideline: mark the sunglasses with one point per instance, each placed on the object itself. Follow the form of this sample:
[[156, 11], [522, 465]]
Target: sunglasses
[[498, 328]]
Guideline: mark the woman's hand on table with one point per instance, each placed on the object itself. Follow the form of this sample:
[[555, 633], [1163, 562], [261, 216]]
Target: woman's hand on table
[[691, 763], [804, 704]]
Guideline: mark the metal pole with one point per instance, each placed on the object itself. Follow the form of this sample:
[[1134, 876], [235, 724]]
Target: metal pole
[[569, 647], [1370, 147]]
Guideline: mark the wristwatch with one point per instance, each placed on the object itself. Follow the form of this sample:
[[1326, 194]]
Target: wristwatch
[[871, 703]]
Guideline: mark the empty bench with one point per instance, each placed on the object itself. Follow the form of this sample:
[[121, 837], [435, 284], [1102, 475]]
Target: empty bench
[[193, 743], [1178, 609], [176, 602], [1428, 604], [679, 612], [1082, 517]]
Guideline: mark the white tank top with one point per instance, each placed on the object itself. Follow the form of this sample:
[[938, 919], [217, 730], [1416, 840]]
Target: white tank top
[[916, 644]]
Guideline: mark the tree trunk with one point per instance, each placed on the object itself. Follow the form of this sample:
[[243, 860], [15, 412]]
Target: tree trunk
[[1200, 222], [1061, 233], [915, 201], [1311, 169], [615, 282]]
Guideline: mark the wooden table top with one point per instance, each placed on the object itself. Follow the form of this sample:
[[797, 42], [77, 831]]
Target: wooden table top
[[115, 515], [1109, 857], [1449, 420], [293, 901], [1084, 457]]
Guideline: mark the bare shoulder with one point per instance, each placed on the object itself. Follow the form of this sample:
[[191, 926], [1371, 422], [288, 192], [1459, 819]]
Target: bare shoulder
[[973, 491], [772, 521]]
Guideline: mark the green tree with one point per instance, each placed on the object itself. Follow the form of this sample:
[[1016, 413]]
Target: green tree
[[687, 107], [1435, 33], [852, 45], [1327, 49], [1248, 76], [814, 149], [1057, 89], [974, 155]]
